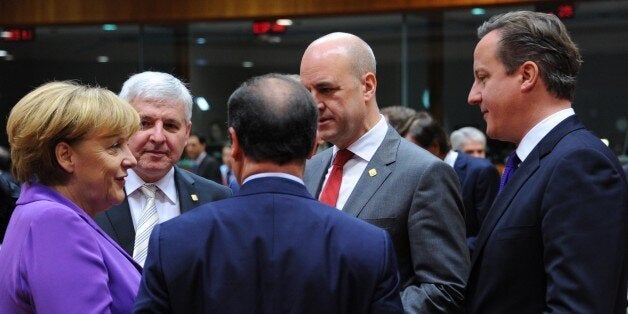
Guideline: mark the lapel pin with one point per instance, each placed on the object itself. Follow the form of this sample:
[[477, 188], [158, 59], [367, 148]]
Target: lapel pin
[[372, 172], [194, 197]]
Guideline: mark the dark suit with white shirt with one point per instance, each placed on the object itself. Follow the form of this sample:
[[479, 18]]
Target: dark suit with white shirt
[[192, 189]]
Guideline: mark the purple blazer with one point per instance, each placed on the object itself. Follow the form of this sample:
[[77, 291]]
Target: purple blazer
[[55, 259]]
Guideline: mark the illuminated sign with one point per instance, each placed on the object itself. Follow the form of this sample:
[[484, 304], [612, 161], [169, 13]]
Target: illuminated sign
[[564, 10], [17, 34], [268, 27]]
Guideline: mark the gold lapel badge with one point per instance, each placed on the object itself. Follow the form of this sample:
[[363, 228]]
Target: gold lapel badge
[[194, 197], [372, 172]]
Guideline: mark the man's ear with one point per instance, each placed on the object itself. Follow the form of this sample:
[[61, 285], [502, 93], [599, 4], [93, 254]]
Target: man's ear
[[529, 72], [236, 150], [315, 146], [370, 85], [65, 156]]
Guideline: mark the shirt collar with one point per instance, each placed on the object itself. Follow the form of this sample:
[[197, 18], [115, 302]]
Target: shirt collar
[[165, 184], [450, 158], [540, 130], [273, 174], [366, 146]]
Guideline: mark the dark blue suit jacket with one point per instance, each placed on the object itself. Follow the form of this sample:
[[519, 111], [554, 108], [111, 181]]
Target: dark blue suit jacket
[[555, 238], [271, 248], [479, 181]]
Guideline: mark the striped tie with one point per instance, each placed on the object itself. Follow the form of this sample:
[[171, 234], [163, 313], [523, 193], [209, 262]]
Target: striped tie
[[148, 220]]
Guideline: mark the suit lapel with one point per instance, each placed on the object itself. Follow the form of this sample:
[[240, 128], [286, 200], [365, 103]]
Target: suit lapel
[[524, 172], [188, 195], [369, 184], [122, 225], [316, 170]]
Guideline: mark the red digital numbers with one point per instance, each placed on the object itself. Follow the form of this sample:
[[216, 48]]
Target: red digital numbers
[[17, 34]]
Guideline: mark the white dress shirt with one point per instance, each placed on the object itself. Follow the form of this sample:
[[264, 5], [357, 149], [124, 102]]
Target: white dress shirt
[[539, 131], [451, 157], [166, 199], [364, 149]]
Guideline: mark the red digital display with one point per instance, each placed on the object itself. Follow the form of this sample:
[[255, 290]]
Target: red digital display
[[268, 27], [562, 9], [17, 34]]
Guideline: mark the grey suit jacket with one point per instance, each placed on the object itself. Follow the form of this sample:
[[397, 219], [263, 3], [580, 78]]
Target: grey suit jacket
[[192, 189], [416, 198]]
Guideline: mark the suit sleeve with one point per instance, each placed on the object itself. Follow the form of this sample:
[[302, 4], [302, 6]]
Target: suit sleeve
[[584, 235], [64, 266], [153, 294], [386, 298], [436, 231]]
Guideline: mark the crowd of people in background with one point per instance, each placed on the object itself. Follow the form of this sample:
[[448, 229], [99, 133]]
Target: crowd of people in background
[[321, 202]]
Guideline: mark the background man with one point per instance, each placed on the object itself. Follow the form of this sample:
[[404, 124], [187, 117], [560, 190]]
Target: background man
[[555, 238], [273, 248], [205, 165], [479, 179], [386, 180], [470, 141], [226, 172], [165, 108]]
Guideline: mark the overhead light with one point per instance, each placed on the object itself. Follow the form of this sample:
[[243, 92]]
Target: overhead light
[[201, 62], [247, 64], [109, 27], [201, 41], [102, 59], [202, 103], [284, 22], [605, 141], [3, 53], [425, 99], [478, 11]]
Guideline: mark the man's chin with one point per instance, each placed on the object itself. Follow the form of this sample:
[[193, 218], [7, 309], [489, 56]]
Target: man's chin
[[153, 168]]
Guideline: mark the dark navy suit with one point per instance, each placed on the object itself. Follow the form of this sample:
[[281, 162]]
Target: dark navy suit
[[271, 248], [555, 238], [479, 181]]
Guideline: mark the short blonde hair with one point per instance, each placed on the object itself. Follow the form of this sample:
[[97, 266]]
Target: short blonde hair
[[62, 112]]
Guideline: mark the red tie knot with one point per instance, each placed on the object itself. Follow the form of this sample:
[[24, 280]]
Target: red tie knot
[[342, 156]]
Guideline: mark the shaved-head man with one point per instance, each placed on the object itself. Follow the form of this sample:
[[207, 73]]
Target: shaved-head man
[[375, 175]]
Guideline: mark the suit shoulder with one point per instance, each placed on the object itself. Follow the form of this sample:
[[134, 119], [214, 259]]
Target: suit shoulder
[[206, 184]]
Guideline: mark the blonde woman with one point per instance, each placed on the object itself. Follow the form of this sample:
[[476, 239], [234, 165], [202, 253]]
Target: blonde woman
[[69, 147]]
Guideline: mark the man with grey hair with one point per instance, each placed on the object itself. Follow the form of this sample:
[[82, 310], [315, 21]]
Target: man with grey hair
[[470, 141], [554, 240], [383, 179], [157, 190]]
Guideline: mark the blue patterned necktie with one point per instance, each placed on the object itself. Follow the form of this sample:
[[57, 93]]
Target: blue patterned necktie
[[512, 163]]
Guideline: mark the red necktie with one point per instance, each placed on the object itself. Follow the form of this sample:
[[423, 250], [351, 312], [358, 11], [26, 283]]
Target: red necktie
[[330, 192]]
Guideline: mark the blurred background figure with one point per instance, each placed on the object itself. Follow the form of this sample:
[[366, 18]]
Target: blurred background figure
[[399, 117], [9, 191], [479, 179], [205, 165], [69, 145], [470, 141], [228, 178]]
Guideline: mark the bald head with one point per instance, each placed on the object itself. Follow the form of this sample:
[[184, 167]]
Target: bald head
[[356, 51], [274, 118]]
